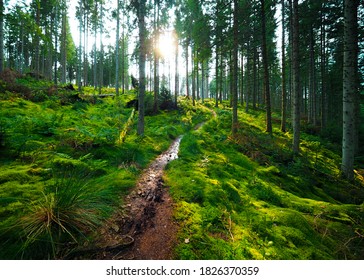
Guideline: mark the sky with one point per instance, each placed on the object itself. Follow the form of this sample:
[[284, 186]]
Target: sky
[[109, 38]]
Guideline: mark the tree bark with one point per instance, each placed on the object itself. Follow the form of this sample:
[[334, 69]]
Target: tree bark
[[203, 81], [37, 40], [79, 66], [323, 72], [255, 82], [176, 77], [85, 46], [56, 47], [284, 91], [156, 56], [234, 94], [123, 55], [142, 57], [242, 78], [350, 87], [117, 56], [312, 78], [64, 44], [197, 76], [187, 82], [101, 69], [193, 77], [248, 77], [296, 115], [1, 35], [217, 77], [95, 57], [266, 71]]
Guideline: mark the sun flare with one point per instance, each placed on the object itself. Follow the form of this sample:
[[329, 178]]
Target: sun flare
[[166, 45]]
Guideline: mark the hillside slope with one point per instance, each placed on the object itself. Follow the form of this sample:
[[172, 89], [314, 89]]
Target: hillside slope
[[246, 197]]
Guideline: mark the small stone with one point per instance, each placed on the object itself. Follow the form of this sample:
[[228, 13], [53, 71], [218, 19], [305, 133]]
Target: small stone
[[115, 227], [187, 240]]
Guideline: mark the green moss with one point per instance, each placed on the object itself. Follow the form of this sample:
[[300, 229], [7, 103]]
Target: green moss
[[60, 141], [246, 197], [20, 176], [241, 197]]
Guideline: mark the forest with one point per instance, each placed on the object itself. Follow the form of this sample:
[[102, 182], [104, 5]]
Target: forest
[[182, 129]]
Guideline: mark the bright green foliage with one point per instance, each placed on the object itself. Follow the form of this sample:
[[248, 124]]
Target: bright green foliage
[[247, 197], [62, 168], [63, 171]]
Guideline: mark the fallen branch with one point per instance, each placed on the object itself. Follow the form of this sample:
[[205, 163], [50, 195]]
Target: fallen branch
[[123, 133]]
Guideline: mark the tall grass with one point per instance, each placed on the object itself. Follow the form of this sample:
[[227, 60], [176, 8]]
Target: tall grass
[[67, 212]]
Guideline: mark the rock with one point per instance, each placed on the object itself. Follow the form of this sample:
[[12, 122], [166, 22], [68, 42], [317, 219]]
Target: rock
[[115, 227]]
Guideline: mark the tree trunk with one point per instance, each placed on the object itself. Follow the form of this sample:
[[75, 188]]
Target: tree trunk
[[187, 82], [95, 57], [101, 77], [64, 45], [193, 78], [230, 81], [222, 74], [312, 79], [117, 56], [284, 94], [217, 77], [323, 73], [242, 78], [266, 71], [142, 57], [156, 56], [234, 94], [197, 78], [49, 53], [255, 82], [248, 78], [79, 66], [56, 47], [202, 81], [85, 48], [1, 35], [296, 115], [350, 87], [123, 74], [37, 40], [176, 77]]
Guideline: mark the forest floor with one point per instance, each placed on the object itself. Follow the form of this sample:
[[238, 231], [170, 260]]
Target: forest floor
[[226, 197], [144, 228]]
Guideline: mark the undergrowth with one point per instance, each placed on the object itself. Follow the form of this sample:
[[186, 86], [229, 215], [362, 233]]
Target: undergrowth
[[247, 197], [63, 169]]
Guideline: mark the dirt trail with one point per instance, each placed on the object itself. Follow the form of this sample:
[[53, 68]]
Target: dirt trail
[[144, 228]]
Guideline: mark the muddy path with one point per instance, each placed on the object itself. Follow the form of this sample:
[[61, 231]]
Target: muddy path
[[144, 227]]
